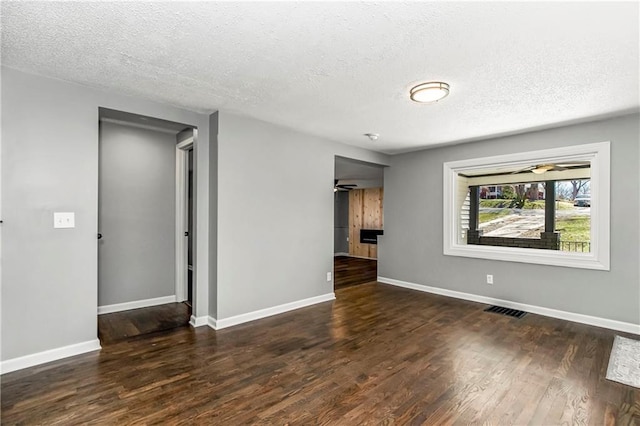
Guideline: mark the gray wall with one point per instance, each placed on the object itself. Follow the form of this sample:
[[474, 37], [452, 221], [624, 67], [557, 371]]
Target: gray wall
[[137, 214], [275, 213], [50, 163], [411, 249], [341, 222]]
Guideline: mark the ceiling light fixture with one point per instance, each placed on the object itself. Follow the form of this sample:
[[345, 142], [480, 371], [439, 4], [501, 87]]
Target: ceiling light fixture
[[426, 93]]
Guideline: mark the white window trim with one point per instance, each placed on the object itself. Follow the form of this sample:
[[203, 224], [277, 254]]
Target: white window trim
[[598, 258]]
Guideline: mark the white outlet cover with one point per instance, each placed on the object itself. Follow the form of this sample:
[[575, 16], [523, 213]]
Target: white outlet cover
[[64, 220]]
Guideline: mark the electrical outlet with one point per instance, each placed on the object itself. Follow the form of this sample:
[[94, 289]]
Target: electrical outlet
[[64, 220], [328, 276], [489, 279]]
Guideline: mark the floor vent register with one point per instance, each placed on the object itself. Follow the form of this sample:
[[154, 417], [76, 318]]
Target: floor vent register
[[506, 311]]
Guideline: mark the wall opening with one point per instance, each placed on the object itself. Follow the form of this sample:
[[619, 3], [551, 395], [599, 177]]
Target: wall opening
[[358, 220], [142, 191]]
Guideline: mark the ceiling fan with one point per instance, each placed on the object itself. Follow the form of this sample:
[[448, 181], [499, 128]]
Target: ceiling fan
[[343, 187], [543, 168]]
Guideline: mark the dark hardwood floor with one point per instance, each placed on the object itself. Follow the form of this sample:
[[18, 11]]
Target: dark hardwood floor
[[127, 324], [376, 355], [350, 271]]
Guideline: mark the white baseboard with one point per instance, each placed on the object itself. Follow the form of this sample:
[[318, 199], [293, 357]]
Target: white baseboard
[[213, 323], [218, 324], [626, 327], [340, 254], [47, 356], [118, 307], [198, 321]]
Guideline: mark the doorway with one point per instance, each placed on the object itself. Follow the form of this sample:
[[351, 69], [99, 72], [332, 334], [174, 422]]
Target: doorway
[[358, 219], [190, 266], [185, 254], [139, 236]]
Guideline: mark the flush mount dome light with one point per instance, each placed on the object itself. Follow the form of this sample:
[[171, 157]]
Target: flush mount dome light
[[426, 93]]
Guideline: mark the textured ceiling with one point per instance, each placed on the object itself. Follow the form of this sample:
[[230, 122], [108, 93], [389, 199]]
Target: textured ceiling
[[343, 69]]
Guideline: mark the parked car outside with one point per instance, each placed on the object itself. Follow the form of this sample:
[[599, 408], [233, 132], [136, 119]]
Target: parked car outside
[[582, 202]]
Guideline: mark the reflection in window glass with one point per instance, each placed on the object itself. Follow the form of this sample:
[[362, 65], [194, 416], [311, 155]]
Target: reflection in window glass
[[573, 215], [512, 211], [551, 214]]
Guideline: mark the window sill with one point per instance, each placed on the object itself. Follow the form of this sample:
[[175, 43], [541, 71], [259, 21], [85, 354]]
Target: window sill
[[525, 255]]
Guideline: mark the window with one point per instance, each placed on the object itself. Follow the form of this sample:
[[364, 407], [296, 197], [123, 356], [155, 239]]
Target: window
[[548, 207]]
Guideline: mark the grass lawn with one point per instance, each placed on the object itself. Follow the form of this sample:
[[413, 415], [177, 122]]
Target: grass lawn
[[565, 205], [504, 204], [576, 228], [538, 204], [495, 203]]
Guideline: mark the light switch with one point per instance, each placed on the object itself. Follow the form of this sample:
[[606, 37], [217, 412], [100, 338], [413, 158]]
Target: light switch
[[64, 220]]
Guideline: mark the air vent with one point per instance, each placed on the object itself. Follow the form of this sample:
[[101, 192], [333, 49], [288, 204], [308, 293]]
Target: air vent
[[506, 311]]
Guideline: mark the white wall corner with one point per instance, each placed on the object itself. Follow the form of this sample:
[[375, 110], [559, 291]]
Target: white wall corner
[[263, 313], [118, 307], [626, 327], [198, 321], [48, 356]]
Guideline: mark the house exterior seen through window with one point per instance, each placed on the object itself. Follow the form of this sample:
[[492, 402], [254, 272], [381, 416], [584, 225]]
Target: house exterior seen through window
[[510, 213]]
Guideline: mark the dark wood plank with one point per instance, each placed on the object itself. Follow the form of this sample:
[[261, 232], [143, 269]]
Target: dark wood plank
[[350, 271], [136, 322], [376, 355]]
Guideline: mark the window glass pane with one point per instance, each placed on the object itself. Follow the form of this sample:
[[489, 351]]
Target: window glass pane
[[512, 211], [573, 215]]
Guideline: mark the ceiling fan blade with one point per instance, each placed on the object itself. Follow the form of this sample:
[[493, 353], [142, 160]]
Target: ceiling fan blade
[[558, 168], [526, 169]]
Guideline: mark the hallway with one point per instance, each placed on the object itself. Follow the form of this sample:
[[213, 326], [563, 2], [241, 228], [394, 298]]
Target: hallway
[[124, 325], [350, 271]]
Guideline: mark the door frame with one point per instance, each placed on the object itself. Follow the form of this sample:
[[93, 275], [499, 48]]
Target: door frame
[[182, 180]]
